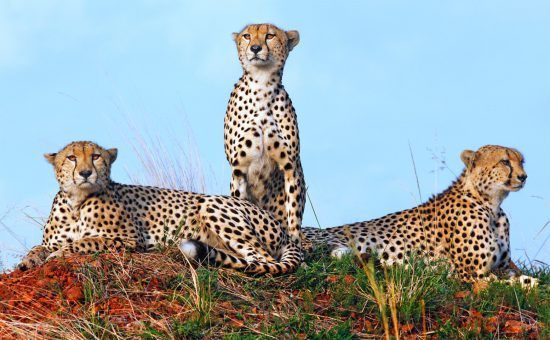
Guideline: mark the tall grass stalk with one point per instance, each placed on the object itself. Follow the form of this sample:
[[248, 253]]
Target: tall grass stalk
[[392, 299], [423, 309], [198, 296], [180, 169], [379, 294], [377, 289]]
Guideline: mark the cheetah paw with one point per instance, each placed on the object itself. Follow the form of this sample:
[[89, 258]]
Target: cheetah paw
[[29, 262], [35, 258], [55, 254], [340, 252], [526, 282]]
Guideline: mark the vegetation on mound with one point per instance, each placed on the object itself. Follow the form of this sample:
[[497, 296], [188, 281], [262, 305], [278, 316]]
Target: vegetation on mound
[[160, 295]]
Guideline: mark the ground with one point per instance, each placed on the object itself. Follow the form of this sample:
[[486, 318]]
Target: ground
[[159, 295]]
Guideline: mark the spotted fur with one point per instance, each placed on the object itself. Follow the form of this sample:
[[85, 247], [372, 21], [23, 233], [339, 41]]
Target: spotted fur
[[465, 223], [92, 213], [261, 137]]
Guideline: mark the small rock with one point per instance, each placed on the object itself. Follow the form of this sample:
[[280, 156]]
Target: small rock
[[49, 269], [462, 294], [74, 293], [515, 327], [349, 279]]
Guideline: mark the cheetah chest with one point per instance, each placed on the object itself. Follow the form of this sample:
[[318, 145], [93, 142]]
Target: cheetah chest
[[64, 234], [263, 140]]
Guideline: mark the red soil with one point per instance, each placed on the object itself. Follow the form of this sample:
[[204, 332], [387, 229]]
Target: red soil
[[56, 292]]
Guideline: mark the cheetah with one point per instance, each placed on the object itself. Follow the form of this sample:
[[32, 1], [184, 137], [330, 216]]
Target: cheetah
[[261, 137], [92, 213], [464, 224]]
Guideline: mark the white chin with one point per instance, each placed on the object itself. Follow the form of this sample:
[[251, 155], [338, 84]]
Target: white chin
[[259, 63], [87, 186], [515, 186]]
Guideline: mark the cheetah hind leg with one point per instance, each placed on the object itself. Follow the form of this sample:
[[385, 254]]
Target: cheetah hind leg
[[201, 253]]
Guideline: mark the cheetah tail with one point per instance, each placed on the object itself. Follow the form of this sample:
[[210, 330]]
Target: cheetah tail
[[201, 253]]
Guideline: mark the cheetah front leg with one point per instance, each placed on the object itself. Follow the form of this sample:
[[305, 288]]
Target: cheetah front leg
[[481, 276], [506, 268], [283, 148], [293, 188], [238, 185], [93, 244], [36, 257], [294, 204]]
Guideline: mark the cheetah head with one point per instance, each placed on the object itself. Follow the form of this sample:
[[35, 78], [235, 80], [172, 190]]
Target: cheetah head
[[82, 168], [495, 170], [264, 47]]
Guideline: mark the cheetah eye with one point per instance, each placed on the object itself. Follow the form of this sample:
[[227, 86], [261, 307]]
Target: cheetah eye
[[72, 158], [95, 156], [505, 162], [270, 36], [246, 36]]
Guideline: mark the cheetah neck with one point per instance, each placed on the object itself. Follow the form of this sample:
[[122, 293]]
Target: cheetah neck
[[464, 187], [75, 198], [263, 78], [491, 201]]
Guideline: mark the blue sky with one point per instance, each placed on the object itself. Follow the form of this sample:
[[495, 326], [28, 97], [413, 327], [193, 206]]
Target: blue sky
[[368, 79]]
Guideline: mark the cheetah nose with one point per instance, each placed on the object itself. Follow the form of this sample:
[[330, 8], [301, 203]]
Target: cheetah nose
[[85, 173], [522, 177], [255, 48]]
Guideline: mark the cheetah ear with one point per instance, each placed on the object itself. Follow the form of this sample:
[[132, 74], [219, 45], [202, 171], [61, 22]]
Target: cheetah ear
[[50, 157], [113, 153], [467, 157], [293, 39], [235, 36]]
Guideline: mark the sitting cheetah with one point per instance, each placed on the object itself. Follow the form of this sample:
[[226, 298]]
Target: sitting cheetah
[[92, 213], [465, 223], [261, 130]]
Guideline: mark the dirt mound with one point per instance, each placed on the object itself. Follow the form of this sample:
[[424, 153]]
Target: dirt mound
[[160, 295], [130, 290]]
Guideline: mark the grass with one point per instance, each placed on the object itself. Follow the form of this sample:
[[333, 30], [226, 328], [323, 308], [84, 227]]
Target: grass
[[130, 295]]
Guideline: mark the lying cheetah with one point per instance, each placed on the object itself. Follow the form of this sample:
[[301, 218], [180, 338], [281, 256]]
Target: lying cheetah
[[465, 223], [92, 213], [261, 130]]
